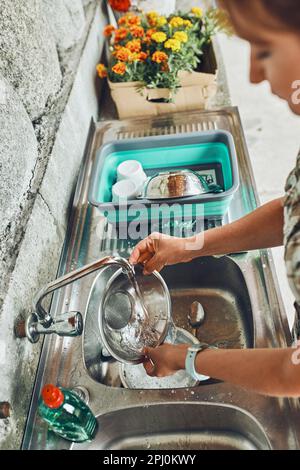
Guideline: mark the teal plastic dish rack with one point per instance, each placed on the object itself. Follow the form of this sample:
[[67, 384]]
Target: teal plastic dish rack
[[212, 154]]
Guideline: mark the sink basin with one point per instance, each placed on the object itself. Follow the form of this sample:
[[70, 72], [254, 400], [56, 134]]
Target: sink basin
[[178, 426], [218, 284]]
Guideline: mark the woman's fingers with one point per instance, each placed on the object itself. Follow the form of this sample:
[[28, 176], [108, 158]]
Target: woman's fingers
[[149, 368], [138, 251], [142, 250], [154, 264]]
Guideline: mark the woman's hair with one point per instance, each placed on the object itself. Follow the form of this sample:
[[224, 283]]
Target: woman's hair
[[286, 13]]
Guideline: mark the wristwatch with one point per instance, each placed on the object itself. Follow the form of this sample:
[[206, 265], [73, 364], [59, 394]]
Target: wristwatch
[[190, 361]]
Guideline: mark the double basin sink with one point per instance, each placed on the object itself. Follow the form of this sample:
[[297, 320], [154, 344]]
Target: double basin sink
[[242, 309], [220, 287]]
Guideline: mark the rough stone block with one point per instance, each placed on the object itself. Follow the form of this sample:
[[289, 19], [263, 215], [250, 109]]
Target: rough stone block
[[18, 155], [36, 266], [72, 133], [66, 20], [28, 54]]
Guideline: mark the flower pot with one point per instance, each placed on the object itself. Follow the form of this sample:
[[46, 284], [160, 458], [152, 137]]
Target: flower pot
[[195, 91], [197, 88]]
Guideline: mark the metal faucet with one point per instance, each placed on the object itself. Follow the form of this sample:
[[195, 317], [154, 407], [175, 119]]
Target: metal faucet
[[69, 323]]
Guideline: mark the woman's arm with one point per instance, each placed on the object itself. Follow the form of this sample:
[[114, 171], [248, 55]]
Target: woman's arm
[[273, 372], [263, 228]]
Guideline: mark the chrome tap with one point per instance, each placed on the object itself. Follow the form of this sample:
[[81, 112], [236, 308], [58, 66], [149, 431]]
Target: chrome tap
[[69, 323]]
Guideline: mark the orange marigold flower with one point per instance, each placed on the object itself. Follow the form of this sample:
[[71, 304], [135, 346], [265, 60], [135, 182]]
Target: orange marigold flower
[[165, 67], [149, 32], [133, 20], [143, 56], [129, 20], [120, 34], [102, 70], [159, 57], [108, 30], [137, 31], [119, 68], [134, 45], [120, 5], [123, 54]]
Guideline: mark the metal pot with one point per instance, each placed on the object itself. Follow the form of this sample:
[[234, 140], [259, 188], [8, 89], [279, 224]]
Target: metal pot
[[134, 314], [177, 184]]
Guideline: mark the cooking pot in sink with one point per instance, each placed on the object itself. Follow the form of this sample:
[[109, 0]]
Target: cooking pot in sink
[[134, 313]]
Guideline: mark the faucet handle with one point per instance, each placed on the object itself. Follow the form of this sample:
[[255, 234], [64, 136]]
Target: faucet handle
[[66, 324]]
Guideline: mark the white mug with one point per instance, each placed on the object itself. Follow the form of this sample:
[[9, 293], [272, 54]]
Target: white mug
[[132, 170], [124, 191]]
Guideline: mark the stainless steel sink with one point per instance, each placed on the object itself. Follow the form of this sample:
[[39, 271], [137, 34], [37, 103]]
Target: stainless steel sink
[[243, 309], [225, 299], [179, 426]]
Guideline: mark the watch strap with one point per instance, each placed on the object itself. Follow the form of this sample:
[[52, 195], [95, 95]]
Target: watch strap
[[190, 361]]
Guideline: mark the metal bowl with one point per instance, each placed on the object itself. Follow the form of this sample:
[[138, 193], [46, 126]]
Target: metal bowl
[[129, 320], [177, 184]]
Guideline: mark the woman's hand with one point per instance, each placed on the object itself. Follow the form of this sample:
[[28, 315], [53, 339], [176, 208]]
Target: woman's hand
[[158, 250], [165, 360]]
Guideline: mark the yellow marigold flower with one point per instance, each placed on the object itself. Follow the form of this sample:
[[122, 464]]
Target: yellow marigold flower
[[159, 37], [181, 36], [159, 57], [102, 70], [173, 44], [134, 45], [123, 54], [187, 23], [161, 21], [197, 12], [137, 31], [119, 68], [152, 18], [176, 22]]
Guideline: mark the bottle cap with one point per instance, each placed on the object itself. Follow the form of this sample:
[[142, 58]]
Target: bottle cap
[[52, 396]]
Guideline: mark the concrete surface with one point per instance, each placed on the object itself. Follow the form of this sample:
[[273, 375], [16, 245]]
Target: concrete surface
[[51, 156], [29, 58], [20, 150], [66, 20]]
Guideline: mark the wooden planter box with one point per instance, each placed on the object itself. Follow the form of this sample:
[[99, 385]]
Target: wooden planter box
[[195, 91]]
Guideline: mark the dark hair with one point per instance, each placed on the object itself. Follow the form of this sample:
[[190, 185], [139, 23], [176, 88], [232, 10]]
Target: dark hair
[[284, 12]]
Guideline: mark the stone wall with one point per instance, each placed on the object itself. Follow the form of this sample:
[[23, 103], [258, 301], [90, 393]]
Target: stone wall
[[48, 53]]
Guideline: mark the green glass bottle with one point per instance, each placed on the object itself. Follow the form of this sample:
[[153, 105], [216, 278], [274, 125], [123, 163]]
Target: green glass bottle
[[67, 414]]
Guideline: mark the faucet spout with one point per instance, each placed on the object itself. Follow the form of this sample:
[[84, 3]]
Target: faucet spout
[[41, 321]]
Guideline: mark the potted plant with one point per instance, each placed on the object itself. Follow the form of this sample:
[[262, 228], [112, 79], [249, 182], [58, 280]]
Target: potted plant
[[155, 63]]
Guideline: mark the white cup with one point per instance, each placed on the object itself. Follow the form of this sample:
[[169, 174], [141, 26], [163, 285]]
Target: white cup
[[124, 191], [132, 170]]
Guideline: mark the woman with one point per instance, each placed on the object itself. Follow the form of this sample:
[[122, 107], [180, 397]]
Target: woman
[[273, 29]]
